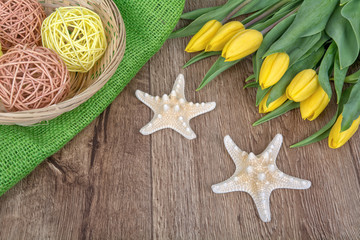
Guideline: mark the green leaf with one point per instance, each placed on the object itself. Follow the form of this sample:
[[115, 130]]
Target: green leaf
[[343, 2], [255, 5], [271, 19], [317, 137], [251, 77], [324, 131], [260, 94], [339, 77], [255, 15], [199, 57], [269, 38], [287, 106], [315, 14], [353, 78], [351, 12], [197, 13], [325, 66], [309, 62], [344, 98], [288, 7], [313, 49], [302, 46], [251, 85], [352, 108], [218, 14], [309, 20], [340, 29], [261, 25], [218, 67]]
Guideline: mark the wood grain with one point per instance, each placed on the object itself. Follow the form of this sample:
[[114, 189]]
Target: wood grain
[[110, 182]]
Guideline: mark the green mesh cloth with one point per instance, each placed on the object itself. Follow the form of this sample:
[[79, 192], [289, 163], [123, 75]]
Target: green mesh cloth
[[148, 24]]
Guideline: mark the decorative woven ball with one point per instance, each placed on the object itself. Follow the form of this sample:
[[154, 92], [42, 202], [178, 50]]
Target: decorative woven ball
[[77, 35], [20, 22], [32, 77]]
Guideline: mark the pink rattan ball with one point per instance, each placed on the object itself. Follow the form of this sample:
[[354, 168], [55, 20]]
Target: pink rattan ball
[[20, 22], [32, 77]]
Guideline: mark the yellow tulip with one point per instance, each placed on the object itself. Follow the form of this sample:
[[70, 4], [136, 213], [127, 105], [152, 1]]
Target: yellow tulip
[[242, 44], [272, 106], [199, 41], [338, 138], [303, 85], [314, 105], [273, 68], [223, 35]]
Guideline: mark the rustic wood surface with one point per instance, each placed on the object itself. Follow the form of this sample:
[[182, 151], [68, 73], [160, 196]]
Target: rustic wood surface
[[110, 182]]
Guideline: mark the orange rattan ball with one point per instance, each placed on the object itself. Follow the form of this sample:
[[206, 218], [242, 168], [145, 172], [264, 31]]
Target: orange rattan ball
[[32, 77], [20, 22]]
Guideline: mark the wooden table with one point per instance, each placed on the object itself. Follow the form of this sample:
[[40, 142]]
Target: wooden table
[[110, 182]]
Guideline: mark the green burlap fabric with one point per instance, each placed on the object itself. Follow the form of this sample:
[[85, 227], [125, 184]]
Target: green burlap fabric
[[148, 24]]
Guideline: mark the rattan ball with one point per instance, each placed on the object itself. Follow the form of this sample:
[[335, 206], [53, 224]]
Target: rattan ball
[[32, 77], [20, 22], [77, 35]]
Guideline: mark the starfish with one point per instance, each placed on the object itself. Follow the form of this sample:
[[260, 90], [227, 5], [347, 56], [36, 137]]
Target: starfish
[[173, 111], [258, 175]]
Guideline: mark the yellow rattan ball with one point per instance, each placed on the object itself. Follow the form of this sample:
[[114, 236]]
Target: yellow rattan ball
[[77, 35]]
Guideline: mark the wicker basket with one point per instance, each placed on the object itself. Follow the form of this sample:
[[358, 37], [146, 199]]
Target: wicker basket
[[83, 85]]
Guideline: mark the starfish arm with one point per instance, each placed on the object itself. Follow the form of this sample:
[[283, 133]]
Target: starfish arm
[[197, 109], [179, 87], [230, 185], [262, 202], [273, 148], [147, 99], [154, 125], [283, 180], [235, 152], [157, 124], [184, 129]]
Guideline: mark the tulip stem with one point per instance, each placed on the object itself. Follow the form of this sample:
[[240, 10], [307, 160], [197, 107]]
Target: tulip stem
[[233, 12], [267, 13], [266, 30]]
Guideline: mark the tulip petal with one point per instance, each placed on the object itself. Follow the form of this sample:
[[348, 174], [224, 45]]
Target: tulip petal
[[242, 45], [303, 85], [312, 107], [223, 54], [273, 68], [223, 35], [338, 138], [273, 105], [199, 41]]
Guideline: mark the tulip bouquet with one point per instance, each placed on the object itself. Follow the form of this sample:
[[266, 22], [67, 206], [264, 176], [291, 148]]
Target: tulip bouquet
[[298, 47]]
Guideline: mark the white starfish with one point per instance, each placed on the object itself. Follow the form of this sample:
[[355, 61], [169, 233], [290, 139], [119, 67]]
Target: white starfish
[[173, 111], [258, 175]]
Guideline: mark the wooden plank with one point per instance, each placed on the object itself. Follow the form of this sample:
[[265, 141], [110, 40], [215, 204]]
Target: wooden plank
[[98, 186], [110, 182]]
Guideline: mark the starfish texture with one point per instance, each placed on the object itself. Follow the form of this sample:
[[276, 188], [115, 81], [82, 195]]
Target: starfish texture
[[258, 175], [173, 111]]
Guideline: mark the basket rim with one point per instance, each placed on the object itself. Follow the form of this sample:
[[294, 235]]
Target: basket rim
[[20, 117]]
